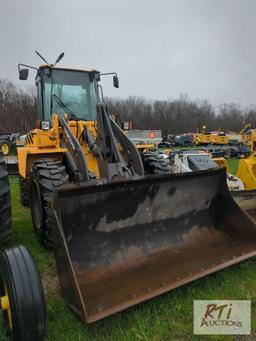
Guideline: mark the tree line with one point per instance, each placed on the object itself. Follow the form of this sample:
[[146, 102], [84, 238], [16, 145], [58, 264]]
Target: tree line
[[17, 108], [182, 115], [173, 116]]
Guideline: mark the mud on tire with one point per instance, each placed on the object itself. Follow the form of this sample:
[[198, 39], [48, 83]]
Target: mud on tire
[[45, 177], [155, 163], [5, 203], [24, 191]]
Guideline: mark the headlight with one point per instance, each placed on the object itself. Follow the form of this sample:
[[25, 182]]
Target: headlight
[[45, 125]]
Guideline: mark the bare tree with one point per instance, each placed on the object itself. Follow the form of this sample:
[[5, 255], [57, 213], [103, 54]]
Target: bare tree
[[173, 116]]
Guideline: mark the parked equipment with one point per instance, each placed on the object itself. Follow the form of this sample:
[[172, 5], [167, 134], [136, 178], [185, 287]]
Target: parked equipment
[[246, 133], [120, 237], [238, 151], [6, 141], [145, 140], [214, 138], [198, 160]]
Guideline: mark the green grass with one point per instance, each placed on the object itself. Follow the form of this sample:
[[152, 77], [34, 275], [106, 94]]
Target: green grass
[[233, 165], [167, 317]]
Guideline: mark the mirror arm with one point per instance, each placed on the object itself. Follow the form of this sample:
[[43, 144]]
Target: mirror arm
[[108, 73], [115, 78], [101, 92], [29, 66]]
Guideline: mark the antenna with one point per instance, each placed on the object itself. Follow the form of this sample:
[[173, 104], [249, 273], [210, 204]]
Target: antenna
[[52, 65], [41, 57], [59, 58]]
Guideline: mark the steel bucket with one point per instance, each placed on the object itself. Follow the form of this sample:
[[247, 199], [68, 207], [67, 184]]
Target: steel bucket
[[124, 242]]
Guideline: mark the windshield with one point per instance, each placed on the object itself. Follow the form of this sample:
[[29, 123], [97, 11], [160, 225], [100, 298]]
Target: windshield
[[76, 89]]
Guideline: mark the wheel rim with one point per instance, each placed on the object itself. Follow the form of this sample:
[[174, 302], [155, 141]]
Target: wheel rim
[[6, 308], [5, 303], [5, 148], [37, 208]]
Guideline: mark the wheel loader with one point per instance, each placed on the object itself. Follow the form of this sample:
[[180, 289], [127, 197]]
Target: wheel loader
[[120, 236]]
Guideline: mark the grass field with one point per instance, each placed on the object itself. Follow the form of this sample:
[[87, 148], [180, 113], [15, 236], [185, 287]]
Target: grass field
[[233, 165], [167, 317]]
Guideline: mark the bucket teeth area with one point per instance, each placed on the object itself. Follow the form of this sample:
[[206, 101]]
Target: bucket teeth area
[[114, 253]]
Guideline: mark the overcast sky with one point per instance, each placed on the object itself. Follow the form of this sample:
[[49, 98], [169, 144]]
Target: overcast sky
[[160, 48]]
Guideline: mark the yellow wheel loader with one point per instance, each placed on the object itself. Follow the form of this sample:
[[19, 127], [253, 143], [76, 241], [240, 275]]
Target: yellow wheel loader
[[120, 236]]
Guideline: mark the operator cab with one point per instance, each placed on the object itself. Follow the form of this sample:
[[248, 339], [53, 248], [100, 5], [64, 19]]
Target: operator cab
[[68, 91], [71, 91]]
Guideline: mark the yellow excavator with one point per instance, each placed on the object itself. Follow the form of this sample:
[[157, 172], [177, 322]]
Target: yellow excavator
[[120, 235], [246, 133]]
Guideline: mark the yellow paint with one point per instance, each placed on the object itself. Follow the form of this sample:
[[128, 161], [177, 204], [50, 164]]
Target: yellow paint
[[247, 172], [203, 138], [221, 162], [142, 148], [219, 139], [40, 144], [46, 66], [5, 305]]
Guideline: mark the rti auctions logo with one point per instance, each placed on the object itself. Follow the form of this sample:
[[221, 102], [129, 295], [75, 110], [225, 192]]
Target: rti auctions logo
[[219, 315], [222, 317]]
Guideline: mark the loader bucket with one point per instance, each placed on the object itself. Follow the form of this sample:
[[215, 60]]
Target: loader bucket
[[246, 200], [121, 243]]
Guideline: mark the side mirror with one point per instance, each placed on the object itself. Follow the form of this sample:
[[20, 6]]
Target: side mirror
[[23, 74], [115, 81]]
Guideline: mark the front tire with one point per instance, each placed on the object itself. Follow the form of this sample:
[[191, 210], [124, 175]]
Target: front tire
[[21, 295], [155, 163], [46, 176]]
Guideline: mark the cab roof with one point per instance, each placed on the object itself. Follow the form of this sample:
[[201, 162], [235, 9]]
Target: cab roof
[[46, 66]]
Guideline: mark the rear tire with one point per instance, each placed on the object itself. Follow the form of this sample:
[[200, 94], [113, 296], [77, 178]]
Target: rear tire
[[24, 191], [5, 203], [46, 176], [155, 163], [20, 282]]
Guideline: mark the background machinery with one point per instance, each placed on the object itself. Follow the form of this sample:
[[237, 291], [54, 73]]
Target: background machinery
[[196, 160], [120, 235], [209, 137], [6, 141]]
